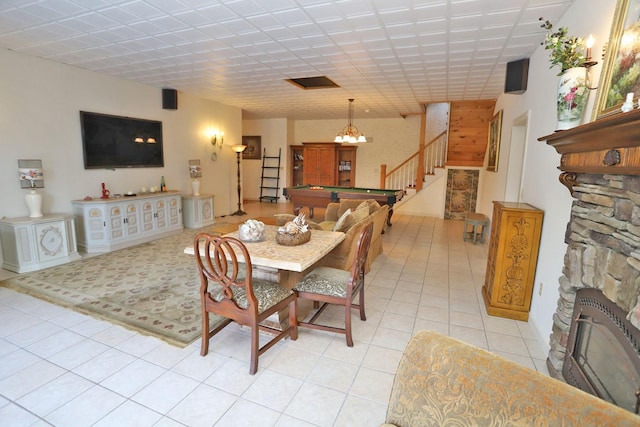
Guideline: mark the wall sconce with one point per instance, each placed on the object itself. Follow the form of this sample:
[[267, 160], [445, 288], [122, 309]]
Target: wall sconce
[[139, 140], [217, 138], [588, 62]]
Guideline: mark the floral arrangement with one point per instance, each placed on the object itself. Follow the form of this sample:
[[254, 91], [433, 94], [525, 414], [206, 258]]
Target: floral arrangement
[[566, 51]]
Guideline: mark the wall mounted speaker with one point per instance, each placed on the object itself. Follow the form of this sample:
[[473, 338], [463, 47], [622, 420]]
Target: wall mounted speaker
[[169, 99], [517, 75]]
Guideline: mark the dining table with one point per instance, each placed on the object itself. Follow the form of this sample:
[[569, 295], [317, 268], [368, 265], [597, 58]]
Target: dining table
[[286, 265]]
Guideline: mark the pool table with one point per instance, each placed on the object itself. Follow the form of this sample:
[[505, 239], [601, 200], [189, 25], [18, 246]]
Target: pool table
[[320, 196]]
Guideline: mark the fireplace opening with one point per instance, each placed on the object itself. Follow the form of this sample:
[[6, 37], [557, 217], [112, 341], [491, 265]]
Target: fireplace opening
[[603, 355]]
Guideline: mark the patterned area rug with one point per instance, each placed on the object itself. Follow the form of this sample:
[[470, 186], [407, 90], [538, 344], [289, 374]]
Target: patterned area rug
[[151, 288]]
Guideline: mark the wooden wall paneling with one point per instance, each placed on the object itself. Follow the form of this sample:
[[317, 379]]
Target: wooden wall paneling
[[469, 132]]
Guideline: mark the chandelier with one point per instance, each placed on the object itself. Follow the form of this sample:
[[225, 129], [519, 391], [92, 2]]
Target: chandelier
[[350, 133]]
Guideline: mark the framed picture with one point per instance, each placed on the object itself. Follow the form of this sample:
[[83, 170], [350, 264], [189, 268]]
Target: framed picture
[[254, 147], [621, 69], [495, 131]]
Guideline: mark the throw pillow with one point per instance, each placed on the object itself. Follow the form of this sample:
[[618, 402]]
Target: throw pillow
[[341, 220], [351, 219], [373, 206]]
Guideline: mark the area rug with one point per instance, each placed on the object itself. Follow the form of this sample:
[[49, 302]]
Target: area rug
[[151, 288]]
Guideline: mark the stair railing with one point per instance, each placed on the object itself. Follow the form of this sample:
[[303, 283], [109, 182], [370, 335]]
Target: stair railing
[[408, 173]]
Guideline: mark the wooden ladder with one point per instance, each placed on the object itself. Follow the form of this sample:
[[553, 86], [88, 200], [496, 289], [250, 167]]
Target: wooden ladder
[[270, 179]]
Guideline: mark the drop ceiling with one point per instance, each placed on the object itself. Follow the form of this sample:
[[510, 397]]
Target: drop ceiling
[[390, 55]]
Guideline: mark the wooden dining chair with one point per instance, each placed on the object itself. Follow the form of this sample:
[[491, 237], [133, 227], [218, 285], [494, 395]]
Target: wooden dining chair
[[328, 285], [228, 290]]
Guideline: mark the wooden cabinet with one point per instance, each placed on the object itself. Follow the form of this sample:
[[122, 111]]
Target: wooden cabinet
[[116, 223], [512, 259], [296, 162], [30, 244], [329, 164], [197, 210]]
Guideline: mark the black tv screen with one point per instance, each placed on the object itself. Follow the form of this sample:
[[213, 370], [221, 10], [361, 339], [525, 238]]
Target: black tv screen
[[110, 142]]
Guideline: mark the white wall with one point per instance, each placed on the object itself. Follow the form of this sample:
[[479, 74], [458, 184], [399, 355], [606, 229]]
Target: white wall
[[540, 184], [274, 138], [393, 141], [39, 119]]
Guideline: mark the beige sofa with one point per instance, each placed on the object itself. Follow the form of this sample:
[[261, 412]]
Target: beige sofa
[[342, 256], [444, 382]]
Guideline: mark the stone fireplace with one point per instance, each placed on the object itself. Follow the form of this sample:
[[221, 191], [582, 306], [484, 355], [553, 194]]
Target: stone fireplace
[[600, 165]]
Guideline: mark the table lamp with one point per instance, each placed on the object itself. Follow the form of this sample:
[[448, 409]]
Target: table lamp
[[33, 177]]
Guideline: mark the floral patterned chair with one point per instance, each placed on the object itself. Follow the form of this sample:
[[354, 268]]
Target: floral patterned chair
[[329, 285], [228, 290], [444, 382]]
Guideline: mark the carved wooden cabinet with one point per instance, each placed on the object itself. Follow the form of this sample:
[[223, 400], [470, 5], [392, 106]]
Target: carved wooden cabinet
[[328, 163], [512, 259]]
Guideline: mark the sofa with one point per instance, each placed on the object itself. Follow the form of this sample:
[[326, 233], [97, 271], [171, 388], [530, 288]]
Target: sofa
[[345, 216], [441, 381]]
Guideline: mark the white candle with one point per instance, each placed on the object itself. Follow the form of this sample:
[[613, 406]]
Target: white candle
[[630, 98]]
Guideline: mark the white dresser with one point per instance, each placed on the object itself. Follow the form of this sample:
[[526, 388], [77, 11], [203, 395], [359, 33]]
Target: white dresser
[[197, 210], [30, 244], [105, 225]]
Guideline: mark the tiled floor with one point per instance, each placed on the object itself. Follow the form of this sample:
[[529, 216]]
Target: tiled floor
[[61, 368]]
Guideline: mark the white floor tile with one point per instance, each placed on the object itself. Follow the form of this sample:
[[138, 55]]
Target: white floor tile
[[19, 416], [86, 409], [372, 385], [29, 379], [104, 365], [334, 374], [360, 412], [232, 377], [133, 377], [78, 354], [16, 361], [248, 414], [203, 407], [129, 414], [316, 404], [33, 334], [273, 390], [55, 343], [165, 392], [55, 393]]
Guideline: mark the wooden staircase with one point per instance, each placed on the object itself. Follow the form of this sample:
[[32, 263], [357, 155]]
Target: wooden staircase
[[464, 143]]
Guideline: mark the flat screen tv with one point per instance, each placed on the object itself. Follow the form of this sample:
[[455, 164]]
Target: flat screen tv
[[110, 142]]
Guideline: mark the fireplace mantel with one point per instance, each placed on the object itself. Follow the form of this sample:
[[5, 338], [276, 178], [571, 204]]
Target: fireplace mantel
[[606, 146]]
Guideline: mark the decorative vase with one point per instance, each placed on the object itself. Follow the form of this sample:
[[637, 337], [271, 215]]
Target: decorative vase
[[572, 97], [195, 184], [34, 203]]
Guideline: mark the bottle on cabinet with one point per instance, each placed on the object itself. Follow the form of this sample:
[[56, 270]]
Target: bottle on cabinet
[[163, 186]]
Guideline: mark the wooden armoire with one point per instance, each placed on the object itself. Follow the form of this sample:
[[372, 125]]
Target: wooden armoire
[[329, 163]]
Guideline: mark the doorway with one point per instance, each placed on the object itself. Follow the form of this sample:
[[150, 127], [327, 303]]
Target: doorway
[[517, 151]]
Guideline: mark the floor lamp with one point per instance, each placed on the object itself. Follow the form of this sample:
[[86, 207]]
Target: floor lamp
[[239, 149]]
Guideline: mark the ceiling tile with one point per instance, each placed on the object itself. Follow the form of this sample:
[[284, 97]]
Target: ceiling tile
[[389, 54]]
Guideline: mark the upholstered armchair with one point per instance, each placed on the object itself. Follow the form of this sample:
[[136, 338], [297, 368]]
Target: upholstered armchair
[[441, 381]]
